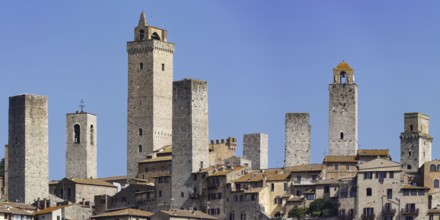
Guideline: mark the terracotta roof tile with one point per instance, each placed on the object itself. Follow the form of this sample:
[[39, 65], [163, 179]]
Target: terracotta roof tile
[[96, 182], [278, 177], [336, 159], [125, 212], [305, 168], [373, 152], [250, 177], [157, 159]]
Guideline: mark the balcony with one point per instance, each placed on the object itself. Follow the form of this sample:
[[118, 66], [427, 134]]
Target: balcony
[[388, 212], [368, 216], [410, 211]]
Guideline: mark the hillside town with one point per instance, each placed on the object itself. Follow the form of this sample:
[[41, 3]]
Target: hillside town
[[175, 172]]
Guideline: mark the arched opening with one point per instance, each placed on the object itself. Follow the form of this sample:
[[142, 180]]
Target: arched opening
[[92, 135], [141, 35], [432, 168], [341, 135], [77, 134], [343, 77], [436, 183], [140, 132], [155, 36]]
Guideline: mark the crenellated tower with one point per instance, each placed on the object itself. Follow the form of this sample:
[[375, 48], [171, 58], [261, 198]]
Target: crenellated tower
[[150, 93]]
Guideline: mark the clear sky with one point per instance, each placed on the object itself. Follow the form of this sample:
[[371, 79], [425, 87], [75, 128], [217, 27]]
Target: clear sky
[[261, 59]]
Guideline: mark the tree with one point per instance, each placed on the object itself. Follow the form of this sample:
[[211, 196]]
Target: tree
[[298, 213], [322, 208]]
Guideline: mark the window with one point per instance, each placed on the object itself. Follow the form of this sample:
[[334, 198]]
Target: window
[[235, 198], [310, 196], [298, 192], [241, 198], [163, 66], [438, 167], [368, 175], [278, 200], [353, 191], [285, 187], [432, 168], [231, 216], [347, 166], [182, 194], [369, 192], [102, 201], [409, 153], [141, 66], [298, 178], [92, 135], [314, 177], [77, 134], [69, 193], [436, 183], [341, 135], [140, 132], [58, 217], [391, 174], [389, 193], [243, 216], [369, 211], [272, 187], [141, 35], [411, 127], [160, 193], [344, 192], [336, 167], [140, 148], [155, 36], [326, 189], [408, 167]]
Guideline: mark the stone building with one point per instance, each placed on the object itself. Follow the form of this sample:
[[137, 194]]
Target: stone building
[[343, 112], [28, 135], [71, 211], [415, 142], [366, 155], [190, 137], [150, 93], [176, 214], [255, 149], [219, 150], [156, 164], [340, 166], [81, 145], [297, 132]]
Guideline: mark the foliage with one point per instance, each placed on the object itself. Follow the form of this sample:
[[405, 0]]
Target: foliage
[[298, 213], [322, 208]]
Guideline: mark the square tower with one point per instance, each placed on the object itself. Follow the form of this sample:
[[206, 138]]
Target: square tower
[[150, 93], [28, 172], [415, 142], [190, 138], [81, 145], [297, 132], [343, 112], [255, 149]]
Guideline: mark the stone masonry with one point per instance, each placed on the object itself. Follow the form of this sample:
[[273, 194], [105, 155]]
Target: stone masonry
[[415, 142], [150, 92], [343, 112], [81, 145], [28, 148], [297, 150], [255, 149], [190, 137]]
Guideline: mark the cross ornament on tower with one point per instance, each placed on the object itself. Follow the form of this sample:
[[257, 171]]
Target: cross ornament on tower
[[82, 105]]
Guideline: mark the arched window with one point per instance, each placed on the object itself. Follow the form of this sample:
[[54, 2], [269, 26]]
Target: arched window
[[432, 168], [140, 148], [343, 78], [369, 192], [141, 132], [92, 135], [341, 135], [155, 36], [77, 134], [436, 183], [141, 35], [438, 168]]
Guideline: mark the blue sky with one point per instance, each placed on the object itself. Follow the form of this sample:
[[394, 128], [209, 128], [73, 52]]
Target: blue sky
[[261, 59]]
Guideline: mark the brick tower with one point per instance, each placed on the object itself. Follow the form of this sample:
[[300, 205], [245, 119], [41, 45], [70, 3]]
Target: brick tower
[[343, 112], [150, 92]]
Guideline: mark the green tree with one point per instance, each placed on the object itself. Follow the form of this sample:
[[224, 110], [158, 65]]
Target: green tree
[[298, 213], [322, 208]]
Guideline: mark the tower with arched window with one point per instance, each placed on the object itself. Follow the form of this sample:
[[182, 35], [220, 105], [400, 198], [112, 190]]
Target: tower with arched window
[[343, 112], [81, 145], [150, 93]]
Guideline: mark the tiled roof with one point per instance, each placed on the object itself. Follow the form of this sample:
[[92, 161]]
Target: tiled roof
[[157, 159], [188, 214], [336, 159], [373, 152], [254, 190], [113, 178], [16, 208], [305, 168], [278, 177], [250, 177], [125, 212], [96, 182], [49, 210], [413, 187]]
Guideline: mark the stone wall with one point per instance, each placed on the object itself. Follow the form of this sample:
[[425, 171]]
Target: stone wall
[[255, 149], [150, 77], [297, 132], [81, 154], [190, 137], [28, 148]]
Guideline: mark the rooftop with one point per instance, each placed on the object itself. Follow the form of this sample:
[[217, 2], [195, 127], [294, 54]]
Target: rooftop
[[188, 214], [125, 212], [305, 168], [336, 159], [373, 152]]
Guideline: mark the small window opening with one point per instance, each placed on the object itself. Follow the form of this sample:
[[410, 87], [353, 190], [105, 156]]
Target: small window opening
[[343, 78], [141, 66], [92, 135], [341, 135], [141, 35], [140, 132], [77, 132], [436, 184], [155, 36], [140, 148], [408, 167], [411, 127], [163, 66]]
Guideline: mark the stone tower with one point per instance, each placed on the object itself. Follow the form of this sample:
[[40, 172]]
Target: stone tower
[[415, 142], [28, 148], [150, 92], [297, 150], [255, 149], [81, 145], [343, 112], [190, 138]]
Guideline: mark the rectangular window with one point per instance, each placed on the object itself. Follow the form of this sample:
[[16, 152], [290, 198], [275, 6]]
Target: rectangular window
[[368, 175], [414, 192], [298, 178], [58, 217], [285, 187], [182, 194], [272, 187], [102, 201], [389, 193], [391, 174], [326, 189], [160, 193], [405, 192], [163, 66], [336, 167], [195, 176], [347, 166], [140, 148]]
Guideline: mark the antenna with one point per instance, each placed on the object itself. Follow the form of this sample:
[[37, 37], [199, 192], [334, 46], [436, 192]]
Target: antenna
[[82, 106]]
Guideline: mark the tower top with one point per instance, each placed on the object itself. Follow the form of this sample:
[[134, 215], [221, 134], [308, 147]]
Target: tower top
[[343, 74], [142, 20], [343, 66]]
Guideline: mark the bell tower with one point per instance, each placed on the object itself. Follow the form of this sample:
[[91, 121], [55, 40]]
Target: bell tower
[[150, 93], [343, 112]]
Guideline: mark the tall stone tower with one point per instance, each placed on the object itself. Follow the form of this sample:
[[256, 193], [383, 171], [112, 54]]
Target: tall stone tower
[[255, 149], [81, 145], [297, 150], [343, 112], [150, 92], [415, 142], [28, 148], [190, 137]]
